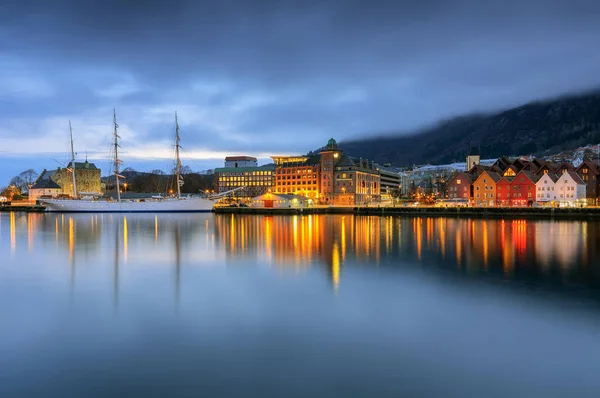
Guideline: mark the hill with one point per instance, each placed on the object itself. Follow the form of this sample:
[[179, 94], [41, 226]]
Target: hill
[[537, 128]]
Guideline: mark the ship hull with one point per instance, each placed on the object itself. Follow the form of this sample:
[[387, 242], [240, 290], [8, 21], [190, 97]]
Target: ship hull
[[183, 205]]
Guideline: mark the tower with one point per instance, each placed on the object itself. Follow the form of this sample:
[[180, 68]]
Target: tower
[[473, 157]]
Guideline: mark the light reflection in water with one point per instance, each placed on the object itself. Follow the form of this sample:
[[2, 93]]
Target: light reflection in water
[[513, 249], [13, 232], [125, 240]]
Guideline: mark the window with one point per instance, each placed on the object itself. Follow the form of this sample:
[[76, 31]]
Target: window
[[585, 170], [458, 182]]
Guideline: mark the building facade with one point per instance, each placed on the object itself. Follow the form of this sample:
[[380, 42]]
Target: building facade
[[87, 178], [570, 188], [545, 188], [281, 201], [484, 189], [44, 186], [516, 190], [330, 177], [589, 173], [240, 161], [460, 187], [297, 175], [253, 181]]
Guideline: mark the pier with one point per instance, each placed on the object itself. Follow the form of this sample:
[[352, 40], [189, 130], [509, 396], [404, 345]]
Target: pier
[[584, 213]]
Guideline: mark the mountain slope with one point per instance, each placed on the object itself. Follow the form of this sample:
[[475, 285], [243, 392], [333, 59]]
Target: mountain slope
[[535, 128]]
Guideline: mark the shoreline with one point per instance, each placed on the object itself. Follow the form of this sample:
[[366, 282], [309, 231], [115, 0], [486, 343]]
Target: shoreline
[[585, 213]]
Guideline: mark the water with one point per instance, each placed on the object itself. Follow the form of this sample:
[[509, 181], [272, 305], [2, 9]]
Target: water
[[337, 306]]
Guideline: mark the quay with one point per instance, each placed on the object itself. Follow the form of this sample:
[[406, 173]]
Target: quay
[[21, 206], [584, 213]]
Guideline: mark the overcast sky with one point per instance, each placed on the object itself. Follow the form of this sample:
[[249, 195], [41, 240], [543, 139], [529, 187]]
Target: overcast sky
[[270, 77]]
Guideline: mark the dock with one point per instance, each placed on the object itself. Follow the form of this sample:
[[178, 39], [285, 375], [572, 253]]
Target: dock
[[21, 207], [584, 213]]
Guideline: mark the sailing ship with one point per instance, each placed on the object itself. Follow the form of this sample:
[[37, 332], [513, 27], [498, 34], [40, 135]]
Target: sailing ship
[[87, 203]]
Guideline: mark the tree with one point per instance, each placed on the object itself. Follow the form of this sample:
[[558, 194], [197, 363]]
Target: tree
[[186, 170], [24, 180]]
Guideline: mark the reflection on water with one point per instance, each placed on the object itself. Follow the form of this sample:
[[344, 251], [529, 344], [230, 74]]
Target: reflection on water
[[559, 251], [517, 249], [311, 305]]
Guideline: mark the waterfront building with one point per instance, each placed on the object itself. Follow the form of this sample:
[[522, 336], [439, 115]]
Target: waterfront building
[[390, 181], [87, 178], [516, 191], [546, 188], [255, 180], [460, 186], [297, 175], [240, 161], [330, 177], [484, 188], [589, 172], [281, 201], [570, 189], [44, 186]]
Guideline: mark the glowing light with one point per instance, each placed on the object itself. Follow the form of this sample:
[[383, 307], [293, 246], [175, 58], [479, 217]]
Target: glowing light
[[71, 239], [125, 239], [485, 244], [335, 266], [13, 232], [156, 228], [29, 231]]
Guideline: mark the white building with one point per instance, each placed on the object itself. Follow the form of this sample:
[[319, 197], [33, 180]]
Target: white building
[[570, 188], [545, 188], [281, 201], [241, 161]]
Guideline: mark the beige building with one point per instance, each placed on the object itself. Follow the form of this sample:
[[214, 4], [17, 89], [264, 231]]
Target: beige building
[[44, 187], [87, 178]]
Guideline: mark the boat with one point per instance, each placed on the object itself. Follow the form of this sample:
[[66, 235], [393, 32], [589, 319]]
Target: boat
[[90, 203]]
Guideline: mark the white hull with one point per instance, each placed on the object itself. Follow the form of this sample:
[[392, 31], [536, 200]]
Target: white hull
[[125, 206]]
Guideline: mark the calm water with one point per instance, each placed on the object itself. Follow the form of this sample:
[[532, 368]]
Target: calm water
[[338, 306]]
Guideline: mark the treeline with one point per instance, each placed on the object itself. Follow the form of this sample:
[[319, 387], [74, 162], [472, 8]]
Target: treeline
[[158, 181]]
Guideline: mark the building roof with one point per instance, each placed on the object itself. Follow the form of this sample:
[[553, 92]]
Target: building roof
[[83, 165], [240, 158], [575, 177], [45, 184], [552, 176], [492, 174], [532, 177], [264, 167], [463, 175], [590, 164]]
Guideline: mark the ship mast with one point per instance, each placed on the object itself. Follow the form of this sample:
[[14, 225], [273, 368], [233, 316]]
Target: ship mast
[[72, 161], [117, 160], [178, 160]]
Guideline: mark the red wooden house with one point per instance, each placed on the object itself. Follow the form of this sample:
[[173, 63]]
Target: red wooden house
[[460, 186], [503, 197]]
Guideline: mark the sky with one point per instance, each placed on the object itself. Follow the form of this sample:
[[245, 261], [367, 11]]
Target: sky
[[270, 77]]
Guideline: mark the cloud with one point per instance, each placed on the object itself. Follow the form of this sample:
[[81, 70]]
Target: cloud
[[278, 76]]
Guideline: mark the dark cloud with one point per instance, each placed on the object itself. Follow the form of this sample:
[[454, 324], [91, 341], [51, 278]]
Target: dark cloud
[[256, 75]]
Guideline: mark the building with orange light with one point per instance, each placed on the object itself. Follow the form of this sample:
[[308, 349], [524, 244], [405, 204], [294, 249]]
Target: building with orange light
[[484, 189], [254, 181], [331, 177]]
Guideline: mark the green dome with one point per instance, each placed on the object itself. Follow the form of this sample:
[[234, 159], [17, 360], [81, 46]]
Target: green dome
[[331, 142]]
